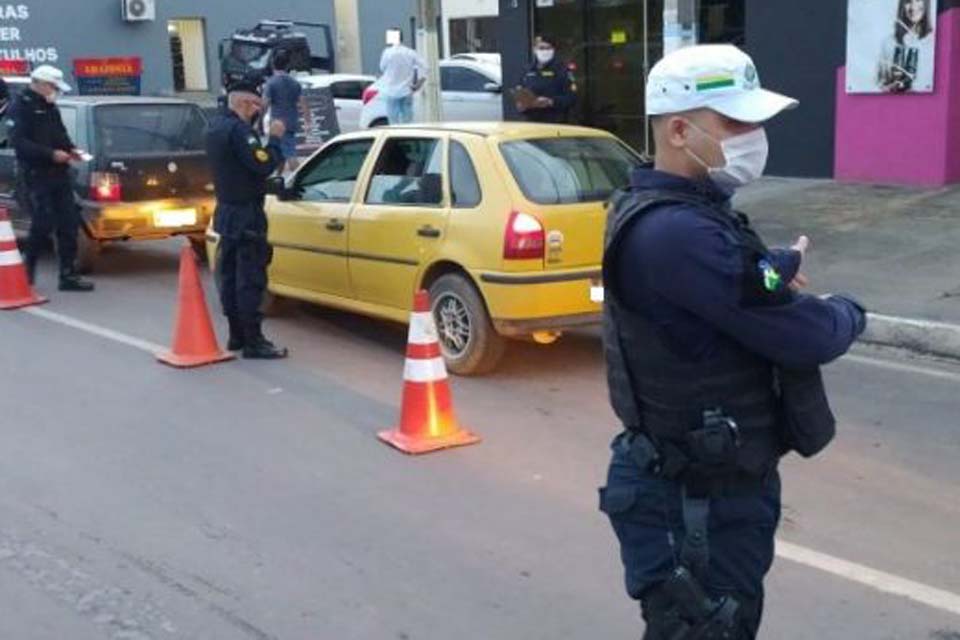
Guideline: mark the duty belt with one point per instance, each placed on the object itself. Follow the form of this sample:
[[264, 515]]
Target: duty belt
[[671, 463]]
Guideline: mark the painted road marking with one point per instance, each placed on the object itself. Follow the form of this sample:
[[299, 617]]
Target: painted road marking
[[96, 330], [879, 580]]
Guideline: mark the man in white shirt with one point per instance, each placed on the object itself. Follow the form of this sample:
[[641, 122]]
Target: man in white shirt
[[404, 72]]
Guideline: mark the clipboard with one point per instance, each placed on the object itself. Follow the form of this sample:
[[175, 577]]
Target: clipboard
[[523, 98]]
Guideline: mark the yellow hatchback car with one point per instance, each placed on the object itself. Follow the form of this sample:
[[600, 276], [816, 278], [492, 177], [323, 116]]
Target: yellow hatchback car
[[502, 223]]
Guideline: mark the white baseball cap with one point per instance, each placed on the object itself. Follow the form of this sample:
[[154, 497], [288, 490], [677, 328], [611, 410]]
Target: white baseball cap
[[720, 77], [46, 73]]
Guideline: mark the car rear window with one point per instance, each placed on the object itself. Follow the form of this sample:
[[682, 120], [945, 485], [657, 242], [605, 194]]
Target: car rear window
[[568, 170], [149, 128]]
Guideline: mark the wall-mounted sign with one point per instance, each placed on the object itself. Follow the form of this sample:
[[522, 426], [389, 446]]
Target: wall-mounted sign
[[15, 43], [891, 46], [108, 76], [14, 68]]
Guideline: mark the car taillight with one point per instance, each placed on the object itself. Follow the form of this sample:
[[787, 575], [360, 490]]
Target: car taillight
[[524, 239], [369, 94], [105, 187]]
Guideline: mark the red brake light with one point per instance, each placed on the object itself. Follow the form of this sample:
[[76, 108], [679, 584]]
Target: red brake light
[[369, 94], [105, 187], [524, 239]]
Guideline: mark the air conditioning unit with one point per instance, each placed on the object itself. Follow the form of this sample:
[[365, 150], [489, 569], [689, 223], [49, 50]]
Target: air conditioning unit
[[138, 10]]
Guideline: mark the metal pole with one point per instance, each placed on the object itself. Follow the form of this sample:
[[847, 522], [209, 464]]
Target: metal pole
[[427, 13]]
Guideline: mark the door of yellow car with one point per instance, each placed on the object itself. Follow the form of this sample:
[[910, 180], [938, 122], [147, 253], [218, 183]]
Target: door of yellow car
[[401, 221], [308, 228]]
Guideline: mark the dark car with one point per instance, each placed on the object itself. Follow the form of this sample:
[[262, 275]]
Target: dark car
[[148, 179]]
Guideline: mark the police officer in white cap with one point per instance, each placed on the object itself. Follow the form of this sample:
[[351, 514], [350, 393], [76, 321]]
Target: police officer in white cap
[[713, 355], [44, 153]]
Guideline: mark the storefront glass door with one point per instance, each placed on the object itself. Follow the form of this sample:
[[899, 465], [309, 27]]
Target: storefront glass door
[[609, 45]]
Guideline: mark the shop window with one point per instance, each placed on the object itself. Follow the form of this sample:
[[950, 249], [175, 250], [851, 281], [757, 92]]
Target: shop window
[[473, 35]]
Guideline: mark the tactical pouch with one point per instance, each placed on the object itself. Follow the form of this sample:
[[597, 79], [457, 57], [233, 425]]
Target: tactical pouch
[[716, 443], [808, 424]]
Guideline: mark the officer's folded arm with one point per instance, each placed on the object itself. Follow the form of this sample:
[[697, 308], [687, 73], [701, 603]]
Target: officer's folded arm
[[706, 276]]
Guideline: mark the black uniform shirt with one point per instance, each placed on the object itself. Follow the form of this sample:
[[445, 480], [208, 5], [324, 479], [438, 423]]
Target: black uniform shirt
[[555, 81], [36, 131], [240, 162], [708, 300]]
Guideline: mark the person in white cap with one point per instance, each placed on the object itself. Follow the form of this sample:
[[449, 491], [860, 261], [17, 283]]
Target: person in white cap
[[44, 153], [712, 355]]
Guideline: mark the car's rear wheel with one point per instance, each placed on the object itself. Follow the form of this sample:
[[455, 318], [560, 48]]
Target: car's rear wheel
[[88, 251], [379, 122], [470, 344]]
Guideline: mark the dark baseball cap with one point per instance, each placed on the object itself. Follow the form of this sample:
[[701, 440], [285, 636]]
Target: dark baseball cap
[[245, 85]]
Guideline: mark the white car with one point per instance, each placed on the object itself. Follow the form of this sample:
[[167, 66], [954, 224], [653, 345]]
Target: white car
[[347, 90], [470, 91]]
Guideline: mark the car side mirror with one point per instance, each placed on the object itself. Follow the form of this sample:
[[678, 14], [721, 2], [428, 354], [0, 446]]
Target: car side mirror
[[492, 87], [277, 186]]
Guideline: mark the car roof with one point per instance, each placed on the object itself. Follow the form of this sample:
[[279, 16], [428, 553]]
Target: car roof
[[326, 79], [503, 130], [112, 100], [485, 68]]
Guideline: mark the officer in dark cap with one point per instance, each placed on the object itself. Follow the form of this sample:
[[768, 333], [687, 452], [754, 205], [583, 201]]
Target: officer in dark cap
[[241, 164], [713, 356], [548, 91]]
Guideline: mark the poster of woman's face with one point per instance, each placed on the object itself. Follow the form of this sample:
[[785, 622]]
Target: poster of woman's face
[[891, 46]]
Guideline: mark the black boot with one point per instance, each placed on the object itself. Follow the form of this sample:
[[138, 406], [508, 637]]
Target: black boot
[[30, 264], [236, 341], [70, 281], [257, 347]]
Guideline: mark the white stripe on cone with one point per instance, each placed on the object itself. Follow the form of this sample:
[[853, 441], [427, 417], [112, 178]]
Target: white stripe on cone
[[10, 258], [432, 370], [422, 329], [6, 232]]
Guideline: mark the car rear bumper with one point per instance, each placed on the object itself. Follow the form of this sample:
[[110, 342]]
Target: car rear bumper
[[521, 328], [525, 303], [138, 220]]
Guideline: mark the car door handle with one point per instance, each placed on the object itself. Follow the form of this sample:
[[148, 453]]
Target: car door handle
[[428, 232], [335, 225]]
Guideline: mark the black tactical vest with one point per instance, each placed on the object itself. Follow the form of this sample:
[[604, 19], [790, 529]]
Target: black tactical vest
[[657, 392]]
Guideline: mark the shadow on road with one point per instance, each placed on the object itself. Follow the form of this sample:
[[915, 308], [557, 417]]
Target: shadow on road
[[576, 352]]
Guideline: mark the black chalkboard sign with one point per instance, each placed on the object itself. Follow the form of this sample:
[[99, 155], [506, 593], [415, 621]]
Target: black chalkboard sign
[[322, 124]]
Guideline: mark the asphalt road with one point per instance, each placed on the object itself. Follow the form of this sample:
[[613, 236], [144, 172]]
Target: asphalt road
[[252, 500]]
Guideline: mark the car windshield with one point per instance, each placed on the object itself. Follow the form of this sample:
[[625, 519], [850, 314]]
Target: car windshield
[[568, 170], [149, 128], [250, 53]]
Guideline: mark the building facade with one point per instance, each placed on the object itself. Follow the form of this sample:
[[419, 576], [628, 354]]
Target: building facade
[[179, 47], [800, 49]]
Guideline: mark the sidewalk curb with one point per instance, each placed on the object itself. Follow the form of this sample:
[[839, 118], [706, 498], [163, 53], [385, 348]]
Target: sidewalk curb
[[923, 336]]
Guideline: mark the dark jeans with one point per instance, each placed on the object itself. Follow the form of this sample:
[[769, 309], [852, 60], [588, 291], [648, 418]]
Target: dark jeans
[[53, 210], [646, 512], [242, 276]]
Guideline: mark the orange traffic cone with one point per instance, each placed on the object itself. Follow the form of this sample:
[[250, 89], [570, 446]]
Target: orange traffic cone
[[15, 289], [194, 342], [427, 422]]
